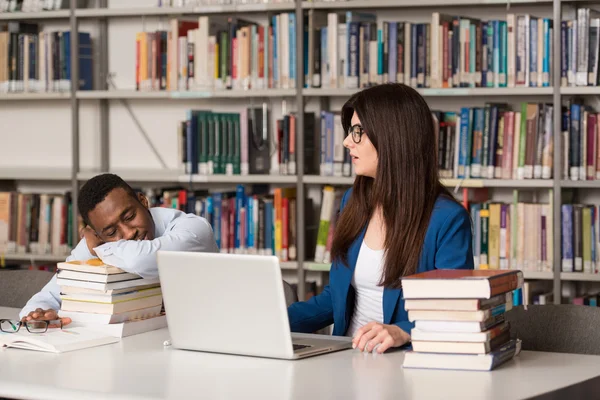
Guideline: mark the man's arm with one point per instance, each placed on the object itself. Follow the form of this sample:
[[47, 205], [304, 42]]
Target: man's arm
[[49, 297], [187, 232]]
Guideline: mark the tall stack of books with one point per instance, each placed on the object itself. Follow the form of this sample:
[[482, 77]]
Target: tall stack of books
[[109, 299], [459, 318]]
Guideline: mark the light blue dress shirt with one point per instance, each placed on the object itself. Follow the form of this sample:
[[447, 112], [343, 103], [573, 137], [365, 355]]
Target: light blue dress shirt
[[174, 231]]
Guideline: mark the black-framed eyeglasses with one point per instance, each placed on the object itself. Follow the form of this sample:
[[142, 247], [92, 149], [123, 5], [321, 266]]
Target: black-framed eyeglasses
[[12, 326], [356, 131]]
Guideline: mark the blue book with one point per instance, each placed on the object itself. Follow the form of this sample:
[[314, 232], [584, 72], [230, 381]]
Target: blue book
[[275, 54], [533, 52], [490, 54], [292, 47], [472, 54], [250, 222], [216, 203], [567, 238], [393, 51], [496, 52], [503, 54], [353, 55], [484, 55], [85, 59], [546, 59], [325, 73], [240, 196]]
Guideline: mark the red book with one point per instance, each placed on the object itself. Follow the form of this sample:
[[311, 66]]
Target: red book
[[461, 284]]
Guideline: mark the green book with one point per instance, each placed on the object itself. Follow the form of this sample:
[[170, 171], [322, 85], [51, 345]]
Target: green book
[[523, 141], [237, 145], [203, 133], [210, 160], [587, 240], [485, 220]]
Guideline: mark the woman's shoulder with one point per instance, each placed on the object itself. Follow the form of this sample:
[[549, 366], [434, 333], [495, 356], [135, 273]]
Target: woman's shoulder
[[447, 209]]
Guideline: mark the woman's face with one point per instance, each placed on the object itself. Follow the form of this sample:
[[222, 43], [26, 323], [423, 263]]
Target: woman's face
[[364, 155]]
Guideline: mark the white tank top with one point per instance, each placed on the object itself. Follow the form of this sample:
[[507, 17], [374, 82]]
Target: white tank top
[[368, 304]]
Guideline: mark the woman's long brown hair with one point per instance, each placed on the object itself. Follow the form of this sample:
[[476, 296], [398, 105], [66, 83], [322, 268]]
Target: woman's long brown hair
[[399, 123]]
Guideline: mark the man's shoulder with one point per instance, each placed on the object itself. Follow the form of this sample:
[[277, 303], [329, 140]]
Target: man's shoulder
[[166, 218]]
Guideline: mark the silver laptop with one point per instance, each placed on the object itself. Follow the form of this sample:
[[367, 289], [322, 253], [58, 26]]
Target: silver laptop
[[234, 304]]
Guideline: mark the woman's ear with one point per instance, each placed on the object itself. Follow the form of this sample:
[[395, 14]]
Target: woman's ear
[[143, 200]]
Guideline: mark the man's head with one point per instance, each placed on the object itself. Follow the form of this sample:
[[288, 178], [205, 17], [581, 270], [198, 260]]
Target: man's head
[[114, 211]]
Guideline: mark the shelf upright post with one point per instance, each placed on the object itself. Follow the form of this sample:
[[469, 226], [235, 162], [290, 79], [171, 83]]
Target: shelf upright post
[[557, 152], [103, 85], [300, 225], [74, 116]]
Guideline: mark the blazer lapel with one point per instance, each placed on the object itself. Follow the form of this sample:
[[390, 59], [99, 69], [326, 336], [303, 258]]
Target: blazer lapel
[[390, 299], [345, 278]]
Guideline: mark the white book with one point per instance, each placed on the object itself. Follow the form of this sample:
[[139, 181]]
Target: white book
[[57, 340], [129, 328], [84, 318]]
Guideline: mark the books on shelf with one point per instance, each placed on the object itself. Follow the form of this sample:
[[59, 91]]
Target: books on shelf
[[258, 221], [459, 318], [213, 53], [38, 61], [214, 143], [515, 235], [39, 224], [109, 296], [37, 5], [579, 227], [197, 3], [495, 142], [580, 141], [354, 50]]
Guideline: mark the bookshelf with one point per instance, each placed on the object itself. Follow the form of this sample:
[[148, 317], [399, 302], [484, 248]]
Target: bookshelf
[[102, 96]]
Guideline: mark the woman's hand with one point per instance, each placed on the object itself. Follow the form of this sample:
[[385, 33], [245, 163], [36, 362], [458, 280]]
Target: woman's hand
[[375, 333]]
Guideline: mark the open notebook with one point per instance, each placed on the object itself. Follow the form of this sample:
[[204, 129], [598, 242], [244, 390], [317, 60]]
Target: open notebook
[[56, 341]]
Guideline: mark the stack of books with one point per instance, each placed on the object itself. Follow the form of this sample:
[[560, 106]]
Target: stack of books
[[109, 299], [459, 318]]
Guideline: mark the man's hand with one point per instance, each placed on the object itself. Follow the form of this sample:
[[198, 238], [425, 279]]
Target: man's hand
[[91, 239], [46, 315], [380, 335]]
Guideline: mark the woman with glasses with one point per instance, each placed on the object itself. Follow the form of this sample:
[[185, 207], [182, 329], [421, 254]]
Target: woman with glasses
[[397, 220]]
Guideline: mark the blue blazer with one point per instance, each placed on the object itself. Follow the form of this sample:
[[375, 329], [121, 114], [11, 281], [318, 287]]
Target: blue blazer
[[448, 244]]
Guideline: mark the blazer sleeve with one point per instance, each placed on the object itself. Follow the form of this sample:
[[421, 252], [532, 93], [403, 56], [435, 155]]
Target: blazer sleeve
[[454, 248], [316, 313], [312, 315]]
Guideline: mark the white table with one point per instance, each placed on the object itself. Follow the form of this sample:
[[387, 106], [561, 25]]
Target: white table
[[139, 367]]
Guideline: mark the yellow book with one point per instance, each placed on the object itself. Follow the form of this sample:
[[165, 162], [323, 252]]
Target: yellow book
[[93, 265], [278, 221], [494, 236]]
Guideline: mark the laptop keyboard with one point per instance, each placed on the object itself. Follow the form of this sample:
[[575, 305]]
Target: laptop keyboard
[[300, 346]]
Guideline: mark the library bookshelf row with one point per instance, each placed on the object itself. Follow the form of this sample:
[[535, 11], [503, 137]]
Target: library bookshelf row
[[282, 93], [256, 8], [313, 266], [172, 177], [555, 92]]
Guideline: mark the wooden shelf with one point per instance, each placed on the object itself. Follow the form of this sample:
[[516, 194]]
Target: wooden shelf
[[580, 91], [176, 176], [467, 183], [174, 11], [221, 94], [580, 184], [370, 4], [545, 275], [453, 92], [35, 96], [29, 16], [35, 258], [35, 174], [579, 276]]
